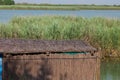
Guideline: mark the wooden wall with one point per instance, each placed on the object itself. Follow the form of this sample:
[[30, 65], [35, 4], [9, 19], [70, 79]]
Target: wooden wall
[[51, 67]]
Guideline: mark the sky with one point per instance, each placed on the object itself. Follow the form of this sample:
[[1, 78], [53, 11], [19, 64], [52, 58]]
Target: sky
[[97, 2]]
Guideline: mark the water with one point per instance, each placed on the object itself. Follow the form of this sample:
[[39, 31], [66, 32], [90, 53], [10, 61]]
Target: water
[[0, 77], [6, 15], [110, 71]]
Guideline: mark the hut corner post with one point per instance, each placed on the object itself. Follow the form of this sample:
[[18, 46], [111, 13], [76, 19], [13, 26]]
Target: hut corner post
[[98, 65]]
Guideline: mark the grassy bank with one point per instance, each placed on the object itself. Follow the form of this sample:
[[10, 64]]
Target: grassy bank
[[101, 32], [60, 7]]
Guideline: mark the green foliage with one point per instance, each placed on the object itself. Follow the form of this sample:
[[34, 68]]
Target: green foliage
[[7, 2], [100, 32], [1, 2]]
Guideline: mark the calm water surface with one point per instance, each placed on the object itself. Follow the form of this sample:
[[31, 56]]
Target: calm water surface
[[109, 71], [6, 15]]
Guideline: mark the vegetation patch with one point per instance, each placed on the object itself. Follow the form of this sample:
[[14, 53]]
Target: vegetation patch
[[7, 2]]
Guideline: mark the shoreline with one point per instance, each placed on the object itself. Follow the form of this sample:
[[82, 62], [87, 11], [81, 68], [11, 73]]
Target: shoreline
[[58, 7]]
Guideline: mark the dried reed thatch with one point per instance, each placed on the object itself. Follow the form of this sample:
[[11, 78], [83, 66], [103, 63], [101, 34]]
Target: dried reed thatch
[[36, 46]]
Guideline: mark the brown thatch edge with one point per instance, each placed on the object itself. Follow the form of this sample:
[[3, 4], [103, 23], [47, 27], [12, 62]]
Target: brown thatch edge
[[37, 46]]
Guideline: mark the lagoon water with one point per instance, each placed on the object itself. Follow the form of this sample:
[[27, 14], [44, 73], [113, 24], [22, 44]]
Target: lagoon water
[[108, 70], [6, 15]]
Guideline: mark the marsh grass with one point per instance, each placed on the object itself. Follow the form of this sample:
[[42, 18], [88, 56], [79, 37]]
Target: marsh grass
[[101, 32]]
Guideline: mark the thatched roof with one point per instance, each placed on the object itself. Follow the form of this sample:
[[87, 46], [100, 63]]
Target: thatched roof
[[36, 46]]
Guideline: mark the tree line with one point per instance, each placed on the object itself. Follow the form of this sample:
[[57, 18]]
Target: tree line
[[7, 2]]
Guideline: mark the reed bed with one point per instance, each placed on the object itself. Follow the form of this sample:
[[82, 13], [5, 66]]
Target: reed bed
[[101, 32]]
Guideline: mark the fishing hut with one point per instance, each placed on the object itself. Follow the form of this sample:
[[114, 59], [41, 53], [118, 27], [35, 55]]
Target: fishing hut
[[49, 60]]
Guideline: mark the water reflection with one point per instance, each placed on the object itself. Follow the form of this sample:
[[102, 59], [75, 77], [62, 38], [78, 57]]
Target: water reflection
[[110, 71]]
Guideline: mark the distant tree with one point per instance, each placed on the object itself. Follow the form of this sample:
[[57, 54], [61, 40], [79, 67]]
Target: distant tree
[[7, 2], [93, 4], [1, 2]]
